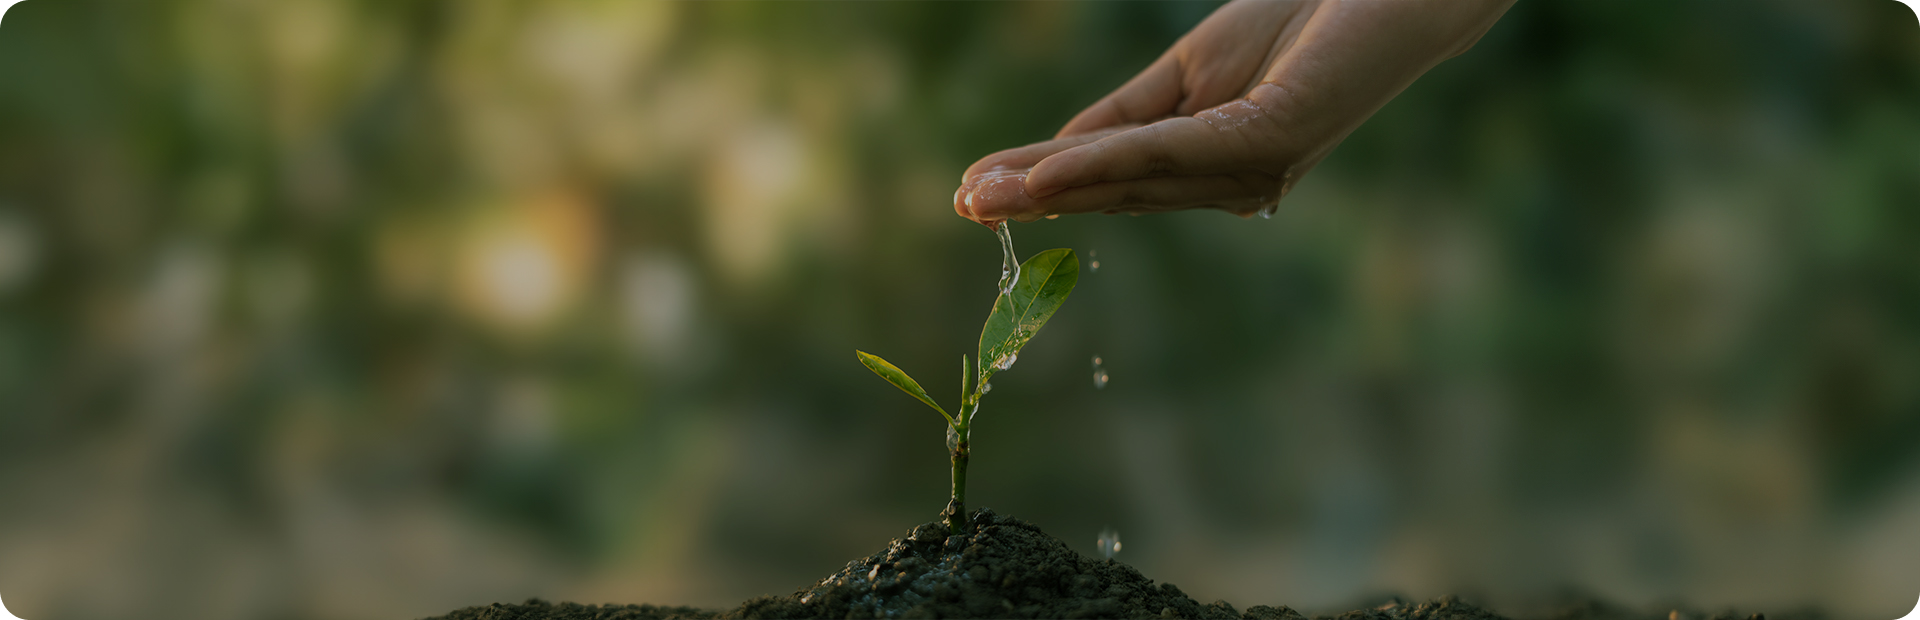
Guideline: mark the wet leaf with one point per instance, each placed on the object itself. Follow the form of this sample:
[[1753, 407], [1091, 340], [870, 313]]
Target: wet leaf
[[1045, 281], [899, 379]]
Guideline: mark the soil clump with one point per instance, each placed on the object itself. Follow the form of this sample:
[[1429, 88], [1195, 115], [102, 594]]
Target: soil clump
[[1001, 568]]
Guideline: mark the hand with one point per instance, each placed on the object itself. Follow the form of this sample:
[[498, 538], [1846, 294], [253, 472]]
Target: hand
[[1233, 114]]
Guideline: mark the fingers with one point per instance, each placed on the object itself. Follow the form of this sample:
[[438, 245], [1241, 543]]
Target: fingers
[[1005, 172], [1244, 192], [1027, 156], [1220, 59], [988, 197], [1229, 53], [1233, 137], [1147, 97]]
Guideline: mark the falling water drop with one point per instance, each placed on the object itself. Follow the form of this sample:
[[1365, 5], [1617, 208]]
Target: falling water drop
[[1009, 265], [1095, 256], [1099, 374], [1273, 204], [1109, 542]]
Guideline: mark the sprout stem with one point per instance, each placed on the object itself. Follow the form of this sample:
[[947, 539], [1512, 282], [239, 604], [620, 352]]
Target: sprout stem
[[956, 512]]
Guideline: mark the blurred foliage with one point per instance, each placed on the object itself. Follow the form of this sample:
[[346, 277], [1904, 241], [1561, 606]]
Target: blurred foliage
[[316, 309]]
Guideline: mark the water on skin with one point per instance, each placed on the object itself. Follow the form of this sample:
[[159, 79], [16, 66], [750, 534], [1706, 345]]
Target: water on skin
[[1002, 192], [1230, 116], [1009, 265], [999, 193]]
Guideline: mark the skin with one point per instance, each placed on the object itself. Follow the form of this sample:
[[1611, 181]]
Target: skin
[[1232, 115]]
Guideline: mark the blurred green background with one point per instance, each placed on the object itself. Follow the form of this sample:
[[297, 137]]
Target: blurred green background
[[375, 309]]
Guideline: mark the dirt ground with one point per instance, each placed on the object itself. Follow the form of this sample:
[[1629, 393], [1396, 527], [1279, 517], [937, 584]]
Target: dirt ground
[[1008, 568]]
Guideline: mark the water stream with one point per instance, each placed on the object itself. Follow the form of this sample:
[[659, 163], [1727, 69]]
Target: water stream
[[1009, 265]]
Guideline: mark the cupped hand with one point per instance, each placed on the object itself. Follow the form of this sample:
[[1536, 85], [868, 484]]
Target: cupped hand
[[1233, 114]]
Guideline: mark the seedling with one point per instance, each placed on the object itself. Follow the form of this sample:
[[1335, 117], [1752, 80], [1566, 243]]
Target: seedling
[[1040, 286]]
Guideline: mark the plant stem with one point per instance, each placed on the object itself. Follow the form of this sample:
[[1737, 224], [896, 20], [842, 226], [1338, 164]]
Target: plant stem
[[956, 512]]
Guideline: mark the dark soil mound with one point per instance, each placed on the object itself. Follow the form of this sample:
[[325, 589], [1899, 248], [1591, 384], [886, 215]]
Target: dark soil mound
[[1004, 568]]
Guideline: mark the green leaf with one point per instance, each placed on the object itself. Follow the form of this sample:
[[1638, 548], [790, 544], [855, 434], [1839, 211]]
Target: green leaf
[[899, 379], [1045, 281]]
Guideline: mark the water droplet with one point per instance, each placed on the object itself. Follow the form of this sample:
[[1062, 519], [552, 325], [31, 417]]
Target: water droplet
[[1096, 266], [1009, 264], [1100, 379], [1006, 361], [1109, 542], [1271, 205]]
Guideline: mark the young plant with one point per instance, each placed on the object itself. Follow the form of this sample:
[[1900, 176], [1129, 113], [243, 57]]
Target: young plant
[[1043, 283]]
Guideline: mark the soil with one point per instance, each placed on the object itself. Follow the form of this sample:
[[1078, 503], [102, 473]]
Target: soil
[[1007, 568]]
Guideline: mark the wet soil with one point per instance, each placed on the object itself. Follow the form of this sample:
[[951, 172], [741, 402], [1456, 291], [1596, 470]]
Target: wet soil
[[1007, 568]]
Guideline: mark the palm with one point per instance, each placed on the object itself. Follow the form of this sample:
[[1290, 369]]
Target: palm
[[1233, 114]]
